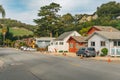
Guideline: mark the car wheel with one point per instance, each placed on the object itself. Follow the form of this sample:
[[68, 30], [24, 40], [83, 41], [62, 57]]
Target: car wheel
[[93, 56], [77, 54], [84, 55]]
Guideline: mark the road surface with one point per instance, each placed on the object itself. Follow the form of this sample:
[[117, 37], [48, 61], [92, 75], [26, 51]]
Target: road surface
[[24, 65]]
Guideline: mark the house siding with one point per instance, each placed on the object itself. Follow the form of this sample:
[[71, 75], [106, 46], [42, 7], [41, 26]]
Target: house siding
[[75, 45], [43, 42], [73, 34], [97, 39], [65, 46]]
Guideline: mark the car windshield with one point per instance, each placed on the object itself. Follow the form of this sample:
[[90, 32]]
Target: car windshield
[[91, 49], [82, 49]]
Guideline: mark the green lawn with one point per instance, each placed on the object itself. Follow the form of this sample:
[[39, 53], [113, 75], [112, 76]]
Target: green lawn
[[19, 31]]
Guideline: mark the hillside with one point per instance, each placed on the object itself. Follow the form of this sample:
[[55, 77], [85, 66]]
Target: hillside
[[14, 23], [19, 31]]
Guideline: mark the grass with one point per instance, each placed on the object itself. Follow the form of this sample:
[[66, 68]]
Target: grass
[[19, 31]]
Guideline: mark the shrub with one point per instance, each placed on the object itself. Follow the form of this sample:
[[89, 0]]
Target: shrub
[[61, 51], [65, 51], [104, 51]]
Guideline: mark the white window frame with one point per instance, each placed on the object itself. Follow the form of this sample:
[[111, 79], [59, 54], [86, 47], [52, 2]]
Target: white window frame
[[102, 43], [61, 43]]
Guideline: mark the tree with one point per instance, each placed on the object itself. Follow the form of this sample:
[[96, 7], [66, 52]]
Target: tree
[[3, 16], [4, 30], [2, 11], [84, 31], [47, 23], [111, 9], [68, 21], [67, 18], [9, 35]]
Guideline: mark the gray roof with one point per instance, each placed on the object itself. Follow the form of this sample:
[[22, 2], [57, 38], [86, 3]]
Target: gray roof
[[45, 38], [79, 38], [107, 35], [106, 28], [64, 35]]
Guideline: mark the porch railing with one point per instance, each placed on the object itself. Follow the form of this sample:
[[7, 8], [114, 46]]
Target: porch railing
[[115, 51]]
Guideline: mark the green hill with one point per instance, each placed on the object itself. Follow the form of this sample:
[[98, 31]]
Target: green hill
[[19, 31], [14, 23], [17, 28]]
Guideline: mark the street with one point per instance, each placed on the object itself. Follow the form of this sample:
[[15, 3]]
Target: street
[[25, 65]]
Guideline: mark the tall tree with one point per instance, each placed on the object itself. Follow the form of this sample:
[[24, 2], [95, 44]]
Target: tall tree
[[67, 18], [47, 23], [2, 11], [68, 22], [110, 9]]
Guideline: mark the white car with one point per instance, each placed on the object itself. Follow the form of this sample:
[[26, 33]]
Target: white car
[[23, 47]]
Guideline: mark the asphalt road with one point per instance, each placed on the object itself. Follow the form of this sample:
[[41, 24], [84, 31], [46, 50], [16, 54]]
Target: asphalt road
[[20, 65]]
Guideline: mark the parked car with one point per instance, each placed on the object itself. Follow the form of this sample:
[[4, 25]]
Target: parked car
[[86, 52], [23, 47], [31, 49]]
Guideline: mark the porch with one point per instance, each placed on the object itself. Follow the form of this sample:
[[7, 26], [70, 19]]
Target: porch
[[115, 51]]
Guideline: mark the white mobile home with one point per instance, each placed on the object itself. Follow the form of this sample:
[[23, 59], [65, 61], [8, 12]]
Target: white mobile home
[[43, 42]]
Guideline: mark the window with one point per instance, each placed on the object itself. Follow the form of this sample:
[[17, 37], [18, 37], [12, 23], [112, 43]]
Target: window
[[77, 46], [61, 43], [118, 43], [71, 45], [92, 43], [102, 43], [51, 43], [82, 49], [115, 43], [91, 49], [56, 43]]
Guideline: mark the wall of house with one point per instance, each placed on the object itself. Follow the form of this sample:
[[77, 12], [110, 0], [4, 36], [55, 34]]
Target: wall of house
[[75, 45], [65, 46], [72, 45], [97, 39], [73, 34], [56, 46], [42, 43], [114, 50]]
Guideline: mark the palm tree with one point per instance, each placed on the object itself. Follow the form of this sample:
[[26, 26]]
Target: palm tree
[[2, 11]]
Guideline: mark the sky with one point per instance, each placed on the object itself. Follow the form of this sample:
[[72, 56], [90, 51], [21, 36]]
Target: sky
[[27, 10]]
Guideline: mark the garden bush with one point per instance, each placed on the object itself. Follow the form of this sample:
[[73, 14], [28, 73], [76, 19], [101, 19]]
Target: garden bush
[[61, 51], [104, 51]]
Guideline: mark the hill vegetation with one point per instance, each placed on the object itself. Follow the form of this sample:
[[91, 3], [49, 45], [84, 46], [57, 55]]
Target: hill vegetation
[[14, 23], [15, 30], [19, 31], [50, 21]]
